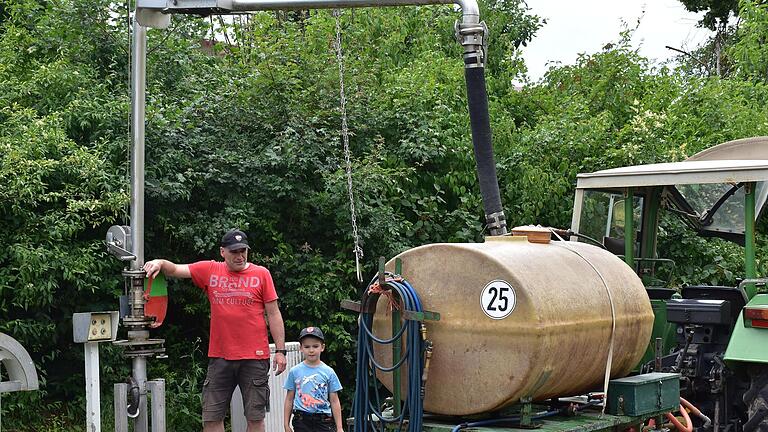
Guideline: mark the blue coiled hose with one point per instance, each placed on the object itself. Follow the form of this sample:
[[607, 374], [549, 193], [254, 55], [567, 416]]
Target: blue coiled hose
[[366, 407]]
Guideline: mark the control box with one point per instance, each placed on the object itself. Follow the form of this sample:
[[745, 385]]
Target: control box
[[94, 326]]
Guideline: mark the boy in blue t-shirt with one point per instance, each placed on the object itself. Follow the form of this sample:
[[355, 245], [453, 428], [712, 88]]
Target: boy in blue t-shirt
[[313, 388]]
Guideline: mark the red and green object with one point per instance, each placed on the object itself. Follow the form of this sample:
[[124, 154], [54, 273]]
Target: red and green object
[[156, 298]]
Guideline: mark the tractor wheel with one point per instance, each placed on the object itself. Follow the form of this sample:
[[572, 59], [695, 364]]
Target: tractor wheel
[[756, 400]]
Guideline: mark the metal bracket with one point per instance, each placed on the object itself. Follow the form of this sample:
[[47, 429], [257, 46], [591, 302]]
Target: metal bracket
[[356, 306], [421, 316], [526, 415], [152, 18]]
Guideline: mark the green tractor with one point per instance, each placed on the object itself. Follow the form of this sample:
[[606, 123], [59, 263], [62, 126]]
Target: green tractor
[[715, 337]]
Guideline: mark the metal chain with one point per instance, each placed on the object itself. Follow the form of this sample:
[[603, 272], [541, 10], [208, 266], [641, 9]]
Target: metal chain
[[358, 250]]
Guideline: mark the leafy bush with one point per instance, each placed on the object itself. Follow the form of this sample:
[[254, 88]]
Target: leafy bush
[[245, 133]]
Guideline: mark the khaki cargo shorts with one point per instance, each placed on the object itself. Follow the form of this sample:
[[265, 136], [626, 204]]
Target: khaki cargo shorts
[[223, 375]]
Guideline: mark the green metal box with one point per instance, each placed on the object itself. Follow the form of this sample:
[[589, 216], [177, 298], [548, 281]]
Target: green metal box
[[644, 394]]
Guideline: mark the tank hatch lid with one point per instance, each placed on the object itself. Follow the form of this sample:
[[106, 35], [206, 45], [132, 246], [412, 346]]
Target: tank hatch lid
[[534, 233]]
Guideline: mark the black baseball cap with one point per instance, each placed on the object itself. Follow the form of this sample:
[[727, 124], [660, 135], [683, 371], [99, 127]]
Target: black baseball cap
[[311, 331], [234, 239]]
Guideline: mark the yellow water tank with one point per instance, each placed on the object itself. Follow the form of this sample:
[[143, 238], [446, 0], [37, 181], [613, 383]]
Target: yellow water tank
[[520, 320]]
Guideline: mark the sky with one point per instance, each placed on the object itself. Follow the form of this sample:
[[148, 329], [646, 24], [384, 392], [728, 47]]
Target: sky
[[575, 27]]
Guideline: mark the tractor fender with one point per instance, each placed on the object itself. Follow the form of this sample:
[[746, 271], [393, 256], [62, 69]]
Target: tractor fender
[[748, 344]]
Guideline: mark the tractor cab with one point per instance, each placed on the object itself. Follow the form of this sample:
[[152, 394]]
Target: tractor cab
[[705, 333], [710, 196]]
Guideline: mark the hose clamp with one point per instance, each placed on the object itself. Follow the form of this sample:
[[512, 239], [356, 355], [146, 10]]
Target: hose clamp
[[496, 223]]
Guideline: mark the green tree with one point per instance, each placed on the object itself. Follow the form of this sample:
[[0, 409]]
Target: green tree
[[749, 53], [718, 12], [245, 132], [717, 16]]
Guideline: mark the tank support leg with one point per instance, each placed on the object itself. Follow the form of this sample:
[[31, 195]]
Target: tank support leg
[[525, 413]]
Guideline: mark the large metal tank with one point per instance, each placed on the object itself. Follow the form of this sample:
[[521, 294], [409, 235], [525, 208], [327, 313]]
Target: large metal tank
[[519, 320]]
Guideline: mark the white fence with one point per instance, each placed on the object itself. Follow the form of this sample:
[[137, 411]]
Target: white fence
[[274, 419]]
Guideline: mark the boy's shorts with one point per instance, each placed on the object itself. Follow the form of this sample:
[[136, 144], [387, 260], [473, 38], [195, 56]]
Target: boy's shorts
[[223, 375], [305, 422]]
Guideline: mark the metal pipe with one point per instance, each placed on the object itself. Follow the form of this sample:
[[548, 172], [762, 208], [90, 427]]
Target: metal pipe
[[469, 8], [397, 349], [140, 375], [138, 89]]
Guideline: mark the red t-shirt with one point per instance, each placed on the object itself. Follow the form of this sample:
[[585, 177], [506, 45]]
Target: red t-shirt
[[238, 328]]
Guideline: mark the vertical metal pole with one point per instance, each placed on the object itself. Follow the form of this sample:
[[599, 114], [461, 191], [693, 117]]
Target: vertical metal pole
[[92, 388], [157, 390], [121, 407], [140, 375], [138, 88], [578, 202], [611, 203], [749, 238], [629, 228], [397, 350]]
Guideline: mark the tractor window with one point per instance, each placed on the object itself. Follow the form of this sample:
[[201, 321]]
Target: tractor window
[[602, 218], [726, 218]]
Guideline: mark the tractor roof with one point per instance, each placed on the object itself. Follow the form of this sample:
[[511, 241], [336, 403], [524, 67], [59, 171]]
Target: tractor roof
[[676, 173], [706, 189], [744, 160]]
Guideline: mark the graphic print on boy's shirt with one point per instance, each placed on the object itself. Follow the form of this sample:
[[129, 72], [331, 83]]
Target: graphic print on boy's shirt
[[316, 398]]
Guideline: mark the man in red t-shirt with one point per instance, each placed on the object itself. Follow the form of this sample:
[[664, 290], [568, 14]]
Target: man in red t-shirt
[[239, 293]]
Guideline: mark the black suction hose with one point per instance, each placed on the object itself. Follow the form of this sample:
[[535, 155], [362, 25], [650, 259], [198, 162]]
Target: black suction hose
[[477, 99]]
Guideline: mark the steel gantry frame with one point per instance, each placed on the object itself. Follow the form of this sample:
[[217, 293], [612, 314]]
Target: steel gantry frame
[[471, 33]]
